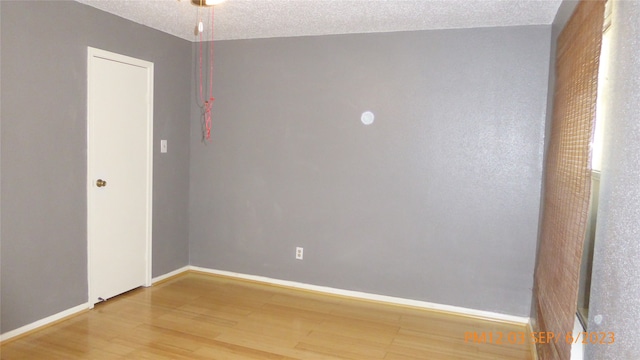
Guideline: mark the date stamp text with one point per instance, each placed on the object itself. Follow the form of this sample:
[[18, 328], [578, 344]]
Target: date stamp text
[[541, 337]]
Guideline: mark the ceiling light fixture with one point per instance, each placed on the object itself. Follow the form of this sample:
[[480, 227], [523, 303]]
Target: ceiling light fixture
[[206, 2]]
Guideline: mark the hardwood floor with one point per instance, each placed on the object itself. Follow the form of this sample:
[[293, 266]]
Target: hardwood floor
[[200, 316]]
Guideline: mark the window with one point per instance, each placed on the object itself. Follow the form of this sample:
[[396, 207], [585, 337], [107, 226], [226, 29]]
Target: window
[[584, 288]]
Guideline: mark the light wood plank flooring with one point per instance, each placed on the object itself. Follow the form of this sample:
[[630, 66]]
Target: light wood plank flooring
[[200, 316]]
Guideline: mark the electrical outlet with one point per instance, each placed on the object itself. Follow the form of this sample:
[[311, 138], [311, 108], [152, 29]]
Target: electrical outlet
[[299, 253]]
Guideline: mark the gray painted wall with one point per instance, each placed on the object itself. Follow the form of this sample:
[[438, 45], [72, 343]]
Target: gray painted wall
[[437, 200], [44, 242], [615, 289], [0, 158]]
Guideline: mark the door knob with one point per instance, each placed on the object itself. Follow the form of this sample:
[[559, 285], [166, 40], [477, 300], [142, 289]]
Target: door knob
[[101, 183]]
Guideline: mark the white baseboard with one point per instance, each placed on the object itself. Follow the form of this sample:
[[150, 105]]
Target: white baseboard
[[577, 349], [292, 284], [374, 297], [534, 350], [61, 315], [170, 274], [43, 322]]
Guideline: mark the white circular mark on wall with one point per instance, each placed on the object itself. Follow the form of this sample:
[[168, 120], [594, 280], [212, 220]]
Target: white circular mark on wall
[[597, 319], [367, 118]]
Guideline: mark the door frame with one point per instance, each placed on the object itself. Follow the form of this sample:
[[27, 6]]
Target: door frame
[[93, 53]]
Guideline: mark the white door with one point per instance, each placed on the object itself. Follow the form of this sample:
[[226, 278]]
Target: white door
[[119, 173]]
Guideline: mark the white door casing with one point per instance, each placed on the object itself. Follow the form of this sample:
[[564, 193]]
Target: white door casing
[[120, 152]]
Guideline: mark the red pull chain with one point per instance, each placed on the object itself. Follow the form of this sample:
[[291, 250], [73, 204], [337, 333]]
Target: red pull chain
[[206, 104], [207, 123]]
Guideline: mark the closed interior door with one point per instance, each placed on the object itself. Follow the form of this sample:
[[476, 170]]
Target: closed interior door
[[120, 93]]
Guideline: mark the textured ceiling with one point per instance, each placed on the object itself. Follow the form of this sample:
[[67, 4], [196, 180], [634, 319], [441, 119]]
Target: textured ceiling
[[245, 19]]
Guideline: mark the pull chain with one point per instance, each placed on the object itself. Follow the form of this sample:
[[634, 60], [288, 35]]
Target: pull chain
[[206, 104]]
